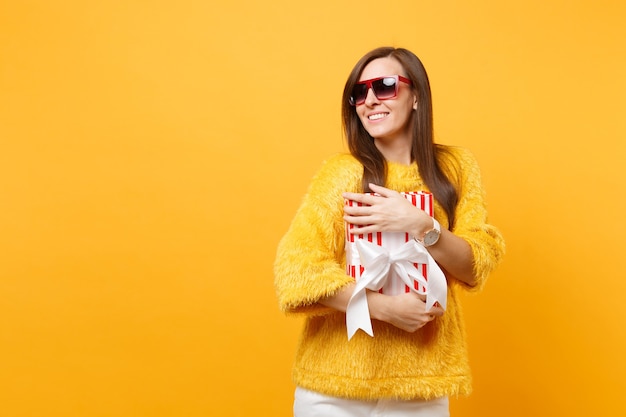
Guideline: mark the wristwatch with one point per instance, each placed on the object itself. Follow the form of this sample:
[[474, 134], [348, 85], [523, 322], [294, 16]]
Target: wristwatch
[[432, 236]]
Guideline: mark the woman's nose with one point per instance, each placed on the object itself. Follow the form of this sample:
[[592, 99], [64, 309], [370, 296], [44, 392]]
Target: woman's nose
[[370, 98]]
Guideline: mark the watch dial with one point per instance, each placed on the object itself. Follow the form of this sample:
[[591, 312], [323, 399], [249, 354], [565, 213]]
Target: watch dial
[[431, 238]]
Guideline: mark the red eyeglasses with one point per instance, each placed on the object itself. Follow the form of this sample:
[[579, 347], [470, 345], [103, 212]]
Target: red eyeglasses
[[384, 88]]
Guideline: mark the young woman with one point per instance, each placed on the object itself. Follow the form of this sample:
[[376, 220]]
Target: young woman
[[417, 357]]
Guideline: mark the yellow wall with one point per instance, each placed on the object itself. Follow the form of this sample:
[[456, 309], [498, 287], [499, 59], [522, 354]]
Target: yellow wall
[[153, 153]]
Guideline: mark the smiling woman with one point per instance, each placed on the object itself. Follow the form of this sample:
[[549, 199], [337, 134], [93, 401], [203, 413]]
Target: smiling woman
[[412, 357]]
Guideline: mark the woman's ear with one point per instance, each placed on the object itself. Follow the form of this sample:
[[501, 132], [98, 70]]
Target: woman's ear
[[414, 103]]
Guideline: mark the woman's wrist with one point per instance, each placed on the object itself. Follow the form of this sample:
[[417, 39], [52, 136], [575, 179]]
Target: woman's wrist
[[431, 236], [377, 305], [424, 225]]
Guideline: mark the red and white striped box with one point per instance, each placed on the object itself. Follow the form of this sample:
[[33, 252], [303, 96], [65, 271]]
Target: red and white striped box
[[391, 241]]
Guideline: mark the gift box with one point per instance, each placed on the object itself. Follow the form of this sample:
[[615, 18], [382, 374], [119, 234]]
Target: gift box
[[390, 263]]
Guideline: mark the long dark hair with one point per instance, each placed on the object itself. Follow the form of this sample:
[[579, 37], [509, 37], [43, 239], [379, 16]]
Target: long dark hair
[[424, 151]]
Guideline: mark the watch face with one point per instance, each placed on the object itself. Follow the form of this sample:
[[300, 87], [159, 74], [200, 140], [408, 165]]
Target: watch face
[[431, 237]]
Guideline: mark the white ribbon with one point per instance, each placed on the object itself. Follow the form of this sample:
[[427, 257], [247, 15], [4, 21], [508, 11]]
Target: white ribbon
[[378, 262]]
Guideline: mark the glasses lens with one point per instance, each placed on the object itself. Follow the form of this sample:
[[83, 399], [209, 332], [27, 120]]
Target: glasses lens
[[359, 92], [385, 88]]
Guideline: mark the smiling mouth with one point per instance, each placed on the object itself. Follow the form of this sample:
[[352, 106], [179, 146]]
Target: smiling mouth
[[377, 116]]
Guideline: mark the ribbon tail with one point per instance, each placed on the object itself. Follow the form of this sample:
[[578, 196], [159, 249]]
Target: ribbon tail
[[375, 259], [358, 315], [437, 285]]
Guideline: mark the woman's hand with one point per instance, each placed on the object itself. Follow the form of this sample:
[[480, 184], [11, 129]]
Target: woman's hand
[[387, 212], [405, 311]]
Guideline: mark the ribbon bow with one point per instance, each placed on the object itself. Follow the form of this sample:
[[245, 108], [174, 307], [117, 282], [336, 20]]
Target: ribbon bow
[[378, 262]]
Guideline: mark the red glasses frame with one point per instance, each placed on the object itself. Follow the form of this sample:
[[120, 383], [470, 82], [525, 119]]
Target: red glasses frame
[[381, 91]]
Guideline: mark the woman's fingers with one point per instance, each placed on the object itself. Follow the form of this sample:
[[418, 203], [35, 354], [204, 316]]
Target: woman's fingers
[[365, 199], [385, 192], [357, 210], [377, 209], [436, 311], [370, 199]]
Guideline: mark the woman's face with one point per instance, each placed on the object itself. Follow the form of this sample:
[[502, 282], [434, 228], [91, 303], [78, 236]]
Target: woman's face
[[387, 120]]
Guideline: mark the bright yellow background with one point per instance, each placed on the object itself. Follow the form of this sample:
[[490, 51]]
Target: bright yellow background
[[153, 153]]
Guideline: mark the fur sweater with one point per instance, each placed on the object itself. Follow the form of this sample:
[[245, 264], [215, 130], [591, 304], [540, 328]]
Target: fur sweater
[[310, 265]]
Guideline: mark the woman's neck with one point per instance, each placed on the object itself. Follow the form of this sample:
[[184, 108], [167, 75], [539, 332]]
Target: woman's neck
[[398, 151]]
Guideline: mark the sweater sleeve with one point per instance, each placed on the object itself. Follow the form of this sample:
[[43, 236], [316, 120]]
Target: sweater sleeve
[[471, 224], [310, 261]]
